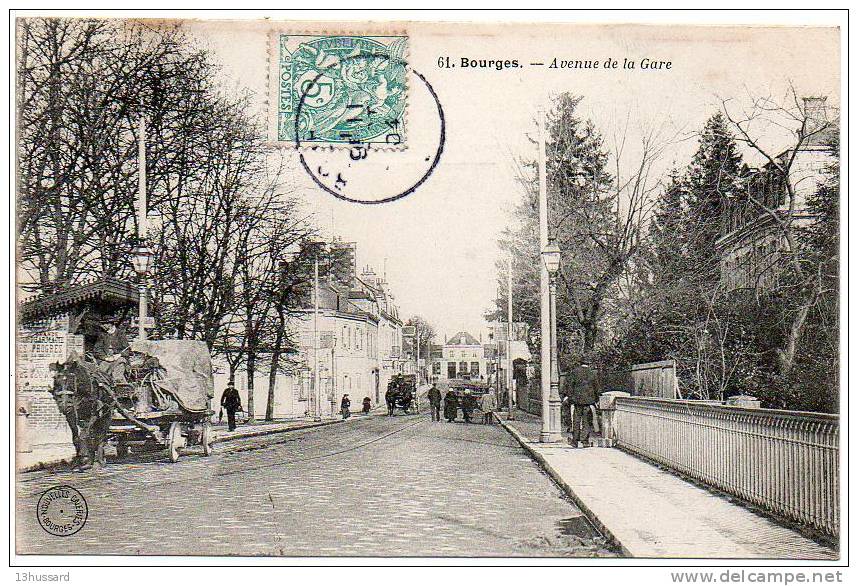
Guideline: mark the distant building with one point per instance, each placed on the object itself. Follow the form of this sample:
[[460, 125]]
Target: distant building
[[752, 239], [462, 356]]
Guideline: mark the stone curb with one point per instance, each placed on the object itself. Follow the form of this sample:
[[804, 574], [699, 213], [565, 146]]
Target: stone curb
[[558, 479]]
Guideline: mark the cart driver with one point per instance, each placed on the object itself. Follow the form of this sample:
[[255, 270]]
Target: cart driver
[[110, 350]]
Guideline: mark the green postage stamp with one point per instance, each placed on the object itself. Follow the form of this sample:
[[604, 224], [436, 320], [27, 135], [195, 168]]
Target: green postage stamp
[[339, 90]]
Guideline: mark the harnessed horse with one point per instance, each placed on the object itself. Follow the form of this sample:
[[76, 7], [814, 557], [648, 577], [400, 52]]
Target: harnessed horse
[[83, 394]]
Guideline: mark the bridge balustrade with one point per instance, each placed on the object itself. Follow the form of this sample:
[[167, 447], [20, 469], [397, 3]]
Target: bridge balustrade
[[786, 462]]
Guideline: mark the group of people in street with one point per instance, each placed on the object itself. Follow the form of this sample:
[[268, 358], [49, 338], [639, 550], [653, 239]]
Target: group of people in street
[[487, 404], [346, 403], [580, 396]]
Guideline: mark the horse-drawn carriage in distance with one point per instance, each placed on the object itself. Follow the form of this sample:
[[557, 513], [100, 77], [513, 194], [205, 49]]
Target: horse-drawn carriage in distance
[[146, 394], [402, 394]]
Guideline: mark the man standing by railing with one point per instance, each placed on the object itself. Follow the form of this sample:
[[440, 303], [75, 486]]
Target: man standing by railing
[[583, 396]]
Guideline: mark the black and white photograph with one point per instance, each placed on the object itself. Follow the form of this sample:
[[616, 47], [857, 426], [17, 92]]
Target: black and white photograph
[[416, 289]]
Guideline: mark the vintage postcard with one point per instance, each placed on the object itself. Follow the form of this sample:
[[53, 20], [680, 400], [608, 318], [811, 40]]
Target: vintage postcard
[[391, 289]]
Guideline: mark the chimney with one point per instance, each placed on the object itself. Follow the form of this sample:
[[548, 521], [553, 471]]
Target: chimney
[[815, 113]]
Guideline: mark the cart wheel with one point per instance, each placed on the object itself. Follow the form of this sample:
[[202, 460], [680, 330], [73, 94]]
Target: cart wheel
[[121, 448], [206, 438], [174, 441]]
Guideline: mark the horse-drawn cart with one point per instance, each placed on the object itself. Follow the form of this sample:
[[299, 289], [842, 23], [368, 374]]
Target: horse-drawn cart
[[156, 394], [169, 404], [402, 390]]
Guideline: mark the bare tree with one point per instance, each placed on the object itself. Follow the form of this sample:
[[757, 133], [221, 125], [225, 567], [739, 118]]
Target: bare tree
[[775, 192], [83, 84]]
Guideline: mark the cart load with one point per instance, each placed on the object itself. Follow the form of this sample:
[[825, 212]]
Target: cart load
[[154, 392]]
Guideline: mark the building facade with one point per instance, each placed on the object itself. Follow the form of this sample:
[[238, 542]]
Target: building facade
[[360, 349], [462, 356], [753, 239]]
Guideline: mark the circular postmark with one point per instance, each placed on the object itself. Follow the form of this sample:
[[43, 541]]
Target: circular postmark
[[62, 511], [368, 172]]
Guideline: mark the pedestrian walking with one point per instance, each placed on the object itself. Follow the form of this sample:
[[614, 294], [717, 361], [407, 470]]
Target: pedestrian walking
[[434, 396], [390, 399], [488, 405], [367, 405], [451, 406], [344, 406], [583, 396], [407, 398], [231, 401], [469, 403]]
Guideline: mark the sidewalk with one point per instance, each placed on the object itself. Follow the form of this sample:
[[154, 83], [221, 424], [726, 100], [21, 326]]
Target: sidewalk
[[652, 513], [53, 455]]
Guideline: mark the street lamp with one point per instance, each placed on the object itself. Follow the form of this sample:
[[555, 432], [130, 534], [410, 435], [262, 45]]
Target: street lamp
[[142, 260], [551, 258]]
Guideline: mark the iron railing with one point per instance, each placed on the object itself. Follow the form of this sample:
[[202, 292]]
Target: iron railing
[[786, 462]]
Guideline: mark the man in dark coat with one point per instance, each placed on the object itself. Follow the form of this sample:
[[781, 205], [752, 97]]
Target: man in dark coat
[[434, 396], [231, 401], [583, 395], [451, 406], [390, 399], [469, 403]]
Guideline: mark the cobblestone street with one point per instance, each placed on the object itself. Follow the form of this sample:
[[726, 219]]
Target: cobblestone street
[[371, 486]]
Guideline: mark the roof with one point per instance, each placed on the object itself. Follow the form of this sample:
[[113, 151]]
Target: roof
[[358, 294], [109, 293], [463, 339]]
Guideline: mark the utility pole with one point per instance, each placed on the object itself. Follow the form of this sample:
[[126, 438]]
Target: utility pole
[[550, 432], [142, 254], [316, 379], [509, 378], [417, 335]]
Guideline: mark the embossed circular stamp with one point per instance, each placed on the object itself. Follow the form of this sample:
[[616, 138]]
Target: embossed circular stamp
[[62, 511]]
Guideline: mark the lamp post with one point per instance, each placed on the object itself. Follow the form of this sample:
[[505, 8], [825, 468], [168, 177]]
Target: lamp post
[[142, 255], [141, 260], [550, 408], [551, 260]]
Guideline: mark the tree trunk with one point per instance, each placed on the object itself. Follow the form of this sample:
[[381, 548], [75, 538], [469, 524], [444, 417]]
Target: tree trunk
[[590, 330], [275, 364], [786, 356], [251, 366]]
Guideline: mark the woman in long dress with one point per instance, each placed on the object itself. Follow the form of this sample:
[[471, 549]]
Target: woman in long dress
[[451, 406]]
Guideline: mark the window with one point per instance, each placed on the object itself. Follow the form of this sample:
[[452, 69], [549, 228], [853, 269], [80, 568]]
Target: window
[[463, 367], [436, 368], [475, 368]]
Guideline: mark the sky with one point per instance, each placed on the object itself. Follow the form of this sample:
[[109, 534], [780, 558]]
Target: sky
[[438, 246]]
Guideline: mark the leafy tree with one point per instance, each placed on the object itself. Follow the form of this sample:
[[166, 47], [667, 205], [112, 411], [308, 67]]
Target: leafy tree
[[595, 215], [712, 179]]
